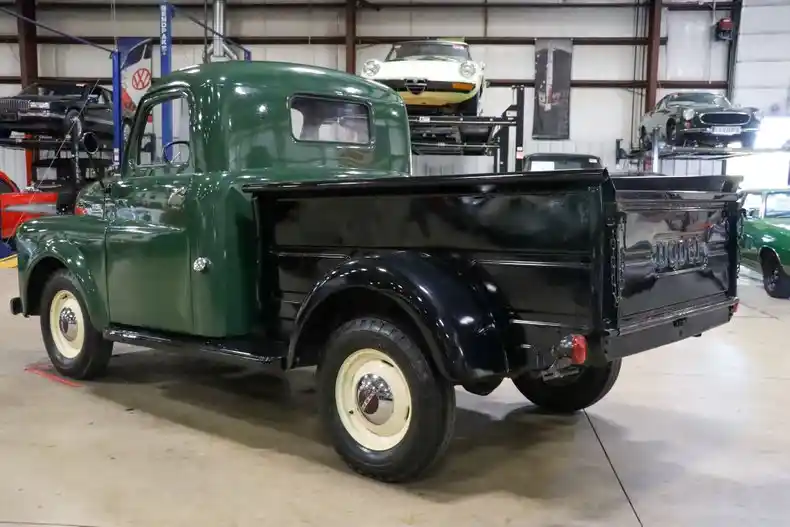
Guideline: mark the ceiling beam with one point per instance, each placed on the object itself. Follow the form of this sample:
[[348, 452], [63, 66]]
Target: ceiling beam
[[338, 40]]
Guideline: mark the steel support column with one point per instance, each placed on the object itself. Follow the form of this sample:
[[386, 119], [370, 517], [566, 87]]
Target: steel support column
[[28, 52], [28, 62], [732, 50], [351, 36], [653, 52]]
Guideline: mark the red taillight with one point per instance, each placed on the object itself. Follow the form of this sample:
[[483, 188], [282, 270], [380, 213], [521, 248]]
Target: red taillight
[[80, 211], [578, 349]]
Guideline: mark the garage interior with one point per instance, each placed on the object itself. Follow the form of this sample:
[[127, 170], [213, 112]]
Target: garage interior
[[693, 434]]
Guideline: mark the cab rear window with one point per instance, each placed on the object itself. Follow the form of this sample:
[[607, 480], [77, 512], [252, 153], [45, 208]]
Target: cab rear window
[[330, 120]]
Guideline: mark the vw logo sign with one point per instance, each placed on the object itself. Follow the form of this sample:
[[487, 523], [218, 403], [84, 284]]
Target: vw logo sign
[[679, 253]]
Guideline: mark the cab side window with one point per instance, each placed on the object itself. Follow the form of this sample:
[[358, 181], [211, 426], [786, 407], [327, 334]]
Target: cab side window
[[150, 154], [330, 120], [752, 204]]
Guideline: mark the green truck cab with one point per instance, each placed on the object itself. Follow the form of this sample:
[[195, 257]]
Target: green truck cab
[[283, 226], [765, 239]]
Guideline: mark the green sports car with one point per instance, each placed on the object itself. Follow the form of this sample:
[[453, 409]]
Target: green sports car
[[765, 240]]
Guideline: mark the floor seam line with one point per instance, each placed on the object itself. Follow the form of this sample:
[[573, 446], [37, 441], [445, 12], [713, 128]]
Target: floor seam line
[[614, 470]]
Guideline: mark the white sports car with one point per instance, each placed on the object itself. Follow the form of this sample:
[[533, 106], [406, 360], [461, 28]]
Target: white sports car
[[431, 75]]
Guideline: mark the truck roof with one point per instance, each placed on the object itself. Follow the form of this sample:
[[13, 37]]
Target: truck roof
[[286, 76]]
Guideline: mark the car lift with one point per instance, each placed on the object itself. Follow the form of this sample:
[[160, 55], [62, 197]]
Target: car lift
[[651, 161], [71, 179], [473, 135], [220, 50]]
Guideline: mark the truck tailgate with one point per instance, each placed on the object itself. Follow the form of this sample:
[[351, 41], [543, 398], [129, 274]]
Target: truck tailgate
[[673, 245]]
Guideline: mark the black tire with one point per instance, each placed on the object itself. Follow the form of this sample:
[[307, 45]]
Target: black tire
[[671, 133], [775, 281], [570, 394], [470, 107], [431, 407], [94, 354], [748, 139], [72, 124], [126, 129], [644, 140]]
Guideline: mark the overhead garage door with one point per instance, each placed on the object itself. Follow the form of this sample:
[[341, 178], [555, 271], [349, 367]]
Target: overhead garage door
[[762, 74]]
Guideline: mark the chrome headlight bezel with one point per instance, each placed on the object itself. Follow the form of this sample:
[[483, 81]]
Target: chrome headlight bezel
[[688, 114], [467, 69], [370, 68], [758, 115]]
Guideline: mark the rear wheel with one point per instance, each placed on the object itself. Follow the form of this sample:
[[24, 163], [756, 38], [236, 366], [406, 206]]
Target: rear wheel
[[572, 393], [74, 346], [388, 414], [775, 280]]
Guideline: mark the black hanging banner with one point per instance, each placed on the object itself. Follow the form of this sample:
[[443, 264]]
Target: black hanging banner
[[552, 116]]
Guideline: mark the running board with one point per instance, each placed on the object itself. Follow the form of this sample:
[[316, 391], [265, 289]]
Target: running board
[[234, 349]]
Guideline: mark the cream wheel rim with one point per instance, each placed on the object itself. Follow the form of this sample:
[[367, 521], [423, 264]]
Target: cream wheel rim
[[373, 399], [67, 324]]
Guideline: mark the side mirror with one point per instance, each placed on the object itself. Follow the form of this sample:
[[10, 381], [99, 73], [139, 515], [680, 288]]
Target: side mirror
[[176, 154]]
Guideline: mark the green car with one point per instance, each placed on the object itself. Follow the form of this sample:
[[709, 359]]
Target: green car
[[282, 226], [765, 241]]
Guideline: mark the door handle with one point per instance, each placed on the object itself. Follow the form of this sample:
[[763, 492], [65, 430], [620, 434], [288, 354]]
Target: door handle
[[176, 198]]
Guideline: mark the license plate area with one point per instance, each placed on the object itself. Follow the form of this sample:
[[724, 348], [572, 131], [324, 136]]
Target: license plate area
[[726, 130]]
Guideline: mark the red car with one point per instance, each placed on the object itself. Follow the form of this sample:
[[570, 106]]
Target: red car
[[17, 206]]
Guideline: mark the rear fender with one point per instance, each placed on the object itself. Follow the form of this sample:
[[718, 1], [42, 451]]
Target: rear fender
[[463, 330], [68, 256]]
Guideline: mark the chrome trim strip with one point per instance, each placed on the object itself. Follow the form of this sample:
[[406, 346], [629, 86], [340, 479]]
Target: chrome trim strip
[[672, 316], [535, 263]]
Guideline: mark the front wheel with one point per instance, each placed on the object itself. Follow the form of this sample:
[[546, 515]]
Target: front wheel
[[775, 280], [572, 393], [470, 107], [72, 125], [74, 346], [388, 414]]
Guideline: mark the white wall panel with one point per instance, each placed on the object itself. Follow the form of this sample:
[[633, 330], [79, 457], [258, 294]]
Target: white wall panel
[[13, 162], [762, 73], [606, 63], [691, 51], [75, 60], [145, 22], [592, 22]]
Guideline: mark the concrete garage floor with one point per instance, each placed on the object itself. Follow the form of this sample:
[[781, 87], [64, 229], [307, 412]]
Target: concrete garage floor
[[697, 434]]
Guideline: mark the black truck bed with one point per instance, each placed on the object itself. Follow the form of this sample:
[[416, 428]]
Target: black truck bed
[[566, 250]]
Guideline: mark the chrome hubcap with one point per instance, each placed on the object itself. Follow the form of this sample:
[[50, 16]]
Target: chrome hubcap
[[374, 399], [67, 323]]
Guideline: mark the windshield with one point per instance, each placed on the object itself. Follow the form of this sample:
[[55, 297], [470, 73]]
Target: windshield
[[409, 50], [686, 99], [53, 89], [777, 205]]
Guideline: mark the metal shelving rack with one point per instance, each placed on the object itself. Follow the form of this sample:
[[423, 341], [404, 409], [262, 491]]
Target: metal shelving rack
[[451, 135], [651, 160]]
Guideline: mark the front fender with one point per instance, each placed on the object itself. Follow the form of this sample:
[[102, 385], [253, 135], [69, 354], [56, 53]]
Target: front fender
[[463, 328], [37, 248]]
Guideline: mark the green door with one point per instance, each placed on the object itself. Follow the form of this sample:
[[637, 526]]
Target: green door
[[148, 242]]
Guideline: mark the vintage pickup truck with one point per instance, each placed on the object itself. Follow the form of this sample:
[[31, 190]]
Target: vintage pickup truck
[[283, 226]]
